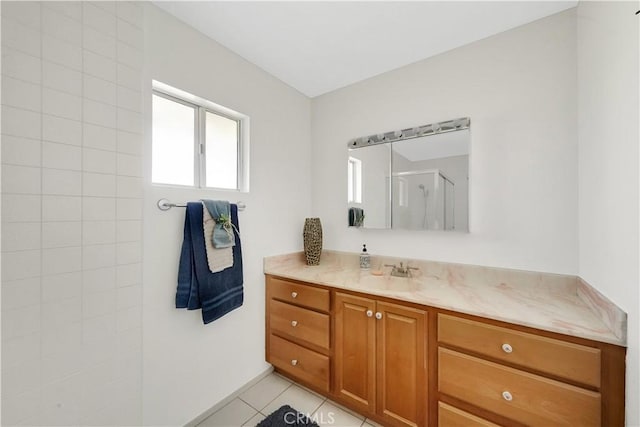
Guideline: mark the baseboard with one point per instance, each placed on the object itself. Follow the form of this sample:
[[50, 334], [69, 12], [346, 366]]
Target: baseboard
[[200, 418]]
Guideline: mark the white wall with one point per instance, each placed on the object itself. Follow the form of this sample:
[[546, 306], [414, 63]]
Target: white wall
[[608, 164], [519, 89], [71, 213], [189, 367]]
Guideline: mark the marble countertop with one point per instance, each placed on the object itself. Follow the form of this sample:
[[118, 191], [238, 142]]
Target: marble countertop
[[544, 301]]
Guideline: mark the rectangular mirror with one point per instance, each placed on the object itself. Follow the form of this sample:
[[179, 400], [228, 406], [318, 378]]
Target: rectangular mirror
[[413, 179]]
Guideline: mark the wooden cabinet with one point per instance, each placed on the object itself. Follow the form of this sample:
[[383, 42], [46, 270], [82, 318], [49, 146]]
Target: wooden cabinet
[[403, 364], [355, 351], [547, 355], [518, 395], [380, 359], [450, 416], [523, 378], [298, 331]]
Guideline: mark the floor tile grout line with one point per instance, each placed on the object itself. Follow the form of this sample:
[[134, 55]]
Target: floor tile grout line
[[278, 395]]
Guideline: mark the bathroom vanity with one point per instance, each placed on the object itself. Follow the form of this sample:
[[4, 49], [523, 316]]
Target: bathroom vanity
[[452, 346]]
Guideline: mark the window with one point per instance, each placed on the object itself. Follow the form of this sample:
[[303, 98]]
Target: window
[[354, 178], [197, 143]]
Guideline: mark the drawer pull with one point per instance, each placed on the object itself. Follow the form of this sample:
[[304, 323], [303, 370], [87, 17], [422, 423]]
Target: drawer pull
[[294, 362], [369, 313], [294, 294], [378, 315], [294, 323], [507, 348], [507, 396]]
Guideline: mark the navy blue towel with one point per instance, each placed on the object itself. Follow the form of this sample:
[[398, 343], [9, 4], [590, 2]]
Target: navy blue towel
[[216, 293]]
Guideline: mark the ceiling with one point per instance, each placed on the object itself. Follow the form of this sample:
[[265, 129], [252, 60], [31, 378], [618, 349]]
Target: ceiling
[[317, 47]]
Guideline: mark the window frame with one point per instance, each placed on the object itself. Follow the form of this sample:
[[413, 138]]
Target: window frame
[[201, 108], [355, 177]]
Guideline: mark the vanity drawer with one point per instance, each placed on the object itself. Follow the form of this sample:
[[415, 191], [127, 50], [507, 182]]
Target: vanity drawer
[[300, 362], [296, 293], [518, 395], [450, 416], [303, 324], [547, 355]]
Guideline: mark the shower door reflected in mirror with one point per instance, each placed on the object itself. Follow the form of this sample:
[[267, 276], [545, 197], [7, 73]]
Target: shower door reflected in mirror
[[430, 182]]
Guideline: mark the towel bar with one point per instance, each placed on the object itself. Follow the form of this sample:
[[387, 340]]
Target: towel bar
[[165, 205]]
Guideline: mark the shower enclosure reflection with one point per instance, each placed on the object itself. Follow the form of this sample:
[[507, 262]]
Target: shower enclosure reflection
[[430, 182], [414, 179], [423, 200]]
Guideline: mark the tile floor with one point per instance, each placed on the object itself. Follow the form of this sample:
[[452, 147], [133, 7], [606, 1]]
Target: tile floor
[[272, 392]]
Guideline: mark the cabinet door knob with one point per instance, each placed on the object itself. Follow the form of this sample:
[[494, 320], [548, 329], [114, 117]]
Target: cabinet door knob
[[294, 362], [507, 396], [294, 294], [507, 348], [378, 315], [369, 313], [294, 323]]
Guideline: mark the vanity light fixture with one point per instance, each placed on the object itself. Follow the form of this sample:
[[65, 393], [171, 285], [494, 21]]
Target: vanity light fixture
[[415, 132]]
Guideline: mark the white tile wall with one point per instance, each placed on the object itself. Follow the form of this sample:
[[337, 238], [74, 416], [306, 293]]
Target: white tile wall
[[23, 13], [61, 104], [60, 208], [61, 234], [128, 274], [98, 256], [99, 280], [61, 130], [71, 213], [99, 185], [61, 182], [18, 122], [99, 137], [61, 156], [21, 65], [99, 66], [129, 143], [71, 9], [100, 90], [20, 293], [61, 52], [20, 37], [20, 236], [21, 94], [61, 286], [61, 27], [20, 151], [61, 78], [98, 208], [99, 113], [20, 179], [99, 43]]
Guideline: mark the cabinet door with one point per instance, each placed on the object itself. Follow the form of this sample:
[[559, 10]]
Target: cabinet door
[[354, 369], [402, 365]]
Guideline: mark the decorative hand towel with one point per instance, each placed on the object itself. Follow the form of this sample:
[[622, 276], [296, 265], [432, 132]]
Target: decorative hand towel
[[356, 217], [223, 231], [352, 217], [218, 259], [216, 293]]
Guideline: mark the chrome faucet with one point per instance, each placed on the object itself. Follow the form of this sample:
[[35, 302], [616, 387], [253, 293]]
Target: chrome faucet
[[401, 271]]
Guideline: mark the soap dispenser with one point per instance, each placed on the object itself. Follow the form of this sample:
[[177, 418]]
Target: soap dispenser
[[365, 258]]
